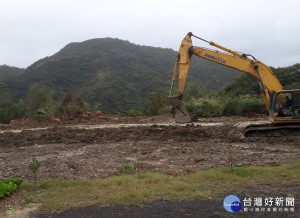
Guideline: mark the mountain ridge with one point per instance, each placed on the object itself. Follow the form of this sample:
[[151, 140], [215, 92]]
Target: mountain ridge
[[117, 73]]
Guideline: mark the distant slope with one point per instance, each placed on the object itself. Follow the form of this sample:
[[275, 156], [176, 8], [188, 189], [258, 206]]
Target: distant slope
[[289, 78], [8, 71], [116, 73]]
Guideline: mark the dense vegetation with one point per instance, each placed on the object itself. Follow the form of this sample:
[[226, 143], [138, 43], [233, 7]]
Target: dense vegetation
[[115, 73], [10, 110], [40, 104], [8, 71], [240, 98], [120, 77], [222, 105], [289, 78]]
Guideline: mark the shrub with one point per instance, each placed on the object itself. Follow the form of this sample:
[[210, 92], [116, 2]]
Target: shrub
[[156, 103], [10, 110], [167, 109], [38, 97], [34, 165], [9, 186], [126, 168], [45, 113], [226, 106], [206, 108], [97, 107], [232, 108], [134, 113]]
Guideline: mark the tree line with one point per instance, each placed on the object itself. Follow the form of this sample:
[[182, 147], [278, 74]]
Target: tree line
[[41, 104], [239, 98]]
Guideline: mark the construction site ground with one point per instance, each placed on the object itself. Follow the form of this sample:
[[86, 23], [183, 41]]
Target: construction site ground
[[95, 147]]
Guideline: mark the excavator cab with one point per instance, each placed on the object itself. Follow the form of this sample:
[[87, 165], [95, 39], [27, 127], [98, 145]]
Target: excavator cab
[[285, 107]]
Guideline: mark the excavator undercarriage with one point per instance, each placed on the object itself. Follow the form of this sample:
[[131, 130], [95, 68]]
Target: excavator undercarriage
[[272, 130]]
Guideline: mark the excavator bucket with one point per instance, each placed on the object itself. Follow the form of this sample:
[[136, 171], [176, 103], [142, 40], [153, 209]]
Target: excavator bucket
[[181, 114]]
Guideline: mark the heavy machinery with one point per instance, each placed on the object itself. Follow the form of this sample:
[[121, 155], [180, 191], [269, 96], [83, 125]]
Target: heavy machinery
[[283, 105]]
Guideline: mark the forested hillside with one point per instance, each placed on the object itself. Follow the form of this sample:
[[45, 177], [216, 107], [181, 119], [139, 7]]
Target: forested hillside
[[289, 78], [8, 71], [116, 73]]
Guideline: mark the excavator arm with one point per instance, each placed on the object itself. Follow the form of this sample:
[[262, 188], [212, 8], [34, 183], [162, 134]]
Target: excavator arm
[[236, 60]]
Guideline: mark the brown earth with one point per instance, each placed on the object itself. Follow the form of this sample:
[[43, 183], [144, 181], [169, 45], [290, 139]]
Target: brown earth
[[76, 151], [96, 147]]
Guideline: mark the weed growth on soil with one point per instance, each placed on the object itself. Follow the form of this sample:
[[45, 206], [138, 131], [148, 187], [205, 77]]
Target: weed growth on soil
[[34, 165], [127, 189], [126, 168]]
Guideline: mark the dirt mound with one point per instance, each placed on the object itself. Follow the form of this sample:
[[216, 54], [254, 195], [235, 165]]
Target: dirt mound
[[73, 135], [87, 119]]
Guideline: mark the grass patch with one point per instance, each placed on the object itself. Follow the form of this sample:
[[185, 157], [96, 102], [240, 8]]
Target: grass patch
[[61, 194]]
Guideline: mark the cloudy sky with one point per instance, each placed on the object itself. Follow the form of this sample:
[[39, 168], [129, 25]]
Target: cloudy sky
[[33, 29]]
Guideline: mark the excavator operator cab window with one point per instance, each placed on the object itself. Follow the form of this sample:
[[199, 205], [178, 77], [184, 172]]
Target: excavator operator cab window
[[284, 104], [296, 104], [288, 104]]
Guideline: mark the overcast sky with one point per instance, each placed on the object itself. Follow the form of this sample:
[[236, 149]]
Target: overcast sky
[[34, 29]]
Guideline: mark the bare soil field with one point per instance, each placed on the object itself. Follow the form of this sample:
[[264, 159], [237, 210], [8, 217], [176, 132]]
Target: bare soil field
[[95, 148]]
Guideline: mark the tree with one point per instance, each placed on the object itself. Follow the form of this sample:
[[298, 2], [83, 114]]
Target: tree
[[10, 110], [155, 103], [194, 90], [39, 97]]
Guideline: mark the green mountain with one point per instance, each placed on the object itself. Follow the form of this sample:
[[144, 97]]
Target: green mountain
[[116, 73], [8, 71]]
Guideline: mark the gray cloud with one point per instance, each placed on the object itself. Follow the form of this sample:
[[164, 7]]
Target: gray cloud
[[33, 29]]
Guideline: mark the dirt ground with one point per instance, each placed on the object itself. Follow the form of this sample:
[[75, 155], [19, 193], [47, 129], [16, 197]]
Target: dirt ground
[[92, 150], [95, 148]]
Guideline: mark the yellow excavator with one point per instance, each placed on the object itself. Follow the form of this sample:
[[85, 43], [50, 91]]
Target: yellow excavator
[[283, 105]]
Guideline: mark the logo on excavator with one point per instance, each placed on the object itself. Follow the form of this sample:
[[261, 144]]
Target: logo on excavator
[[221, 60]]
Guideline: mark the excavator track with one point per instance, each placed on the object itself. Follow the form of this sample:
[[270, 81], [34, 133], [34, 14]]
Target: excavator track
[[271, 130]]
